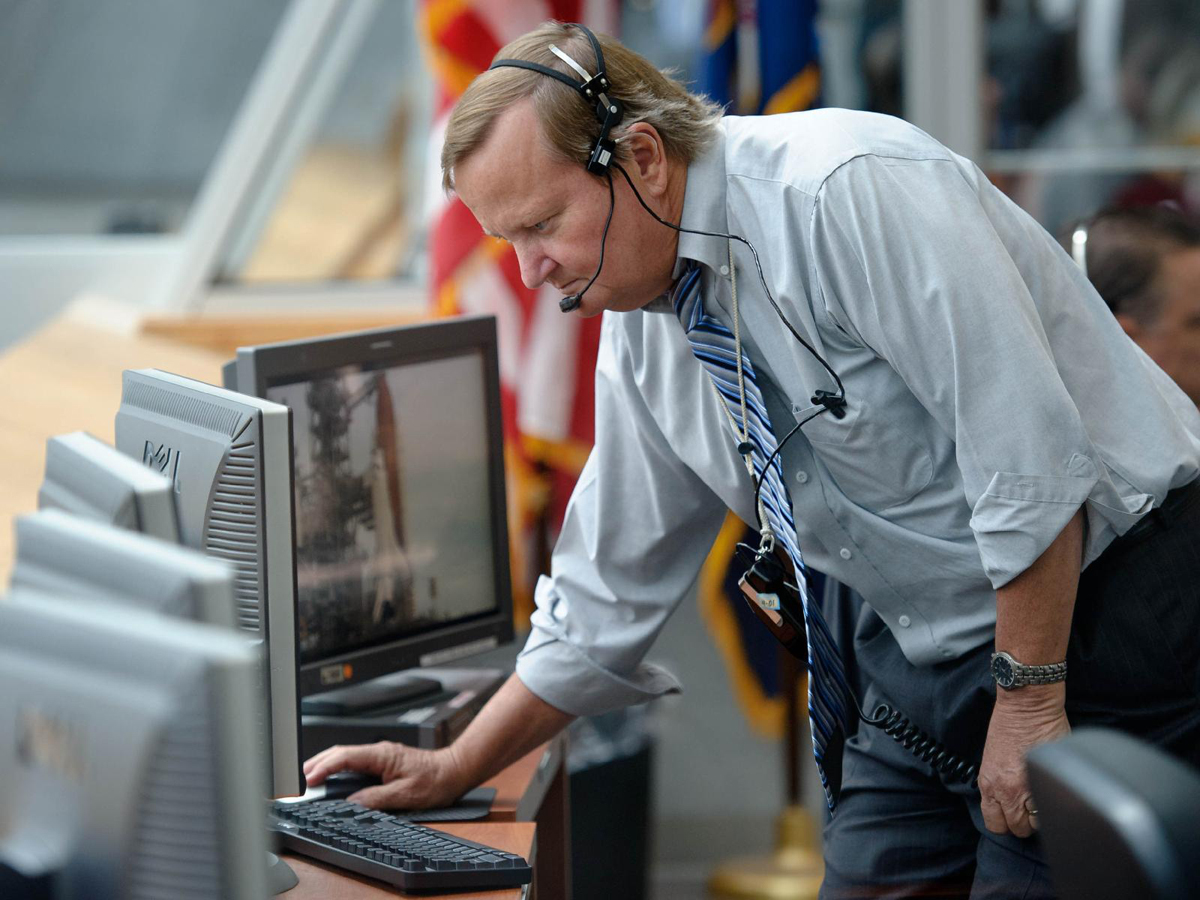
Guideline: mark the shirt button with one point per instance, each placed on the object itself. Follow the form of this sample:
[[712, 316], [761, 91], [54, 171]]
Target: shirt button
[[802, 477], [904, 621], [724, 270], [845, 553]]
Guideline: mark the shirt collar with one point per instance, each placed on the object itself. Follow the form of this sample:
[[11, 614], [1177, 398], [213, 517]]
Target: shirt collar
[[703, 210]]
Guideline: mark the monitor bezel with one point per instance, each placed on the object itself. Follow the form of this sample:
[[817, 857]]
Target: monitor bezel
[[271, 365]]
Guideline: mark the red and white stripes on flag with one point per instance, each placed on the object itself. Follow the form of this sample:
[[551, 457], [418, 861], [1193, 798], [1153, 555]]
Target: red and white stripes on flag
[[547, 359]]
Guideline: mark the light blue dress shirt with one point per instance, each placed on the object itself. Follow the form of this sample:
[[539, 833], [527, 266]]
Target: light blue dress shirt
[[990, 394]]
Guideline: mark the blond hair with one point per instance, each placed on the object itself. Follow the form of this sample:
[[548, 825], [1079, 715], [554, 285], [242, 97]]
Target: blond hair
[[685, 121]]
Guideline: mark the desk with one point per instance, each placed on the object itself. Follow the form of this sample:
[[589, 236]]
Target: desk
[[529, 816], [67, 377]]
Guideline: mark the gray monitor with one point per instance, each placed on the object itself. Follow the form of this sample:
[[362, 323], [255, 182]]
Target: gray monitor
[[63, 554], [90, 478], [1118, 817], [229, 458], [402, 539], [129, 763]]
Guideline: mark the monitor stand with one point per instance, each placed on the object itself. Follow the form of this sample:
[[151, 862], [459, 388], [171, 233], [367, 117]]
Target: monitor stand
[[379, 693], [280, 877]]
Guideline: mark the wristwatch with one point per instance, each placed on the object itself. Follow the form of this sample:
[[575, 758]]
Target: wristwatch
[[1009, 674]]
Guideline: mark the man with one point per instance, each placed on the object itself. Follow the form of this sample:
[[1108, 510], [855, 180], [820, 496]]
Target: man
[[1145, 263], [998, 432]]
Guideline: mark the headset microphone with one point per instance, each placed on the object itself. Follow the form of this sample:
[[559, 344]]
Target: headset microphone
[[573, 302]]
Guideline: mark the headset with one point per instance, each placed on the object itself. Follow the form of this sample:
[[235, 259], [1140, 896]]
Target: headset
[[765, 569]]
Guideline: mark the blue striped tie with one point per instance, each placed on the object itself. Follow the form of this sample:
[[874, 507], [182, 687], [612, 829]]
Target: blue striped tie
[[715, 347]]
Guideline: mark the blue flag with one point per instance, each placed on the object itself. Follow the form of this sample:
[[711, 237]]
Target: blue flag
[[761, 56], [758, 58]]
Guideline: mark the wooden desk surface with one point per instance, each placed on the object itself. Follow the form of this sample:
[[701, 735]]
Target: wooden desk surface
[[67, 377]]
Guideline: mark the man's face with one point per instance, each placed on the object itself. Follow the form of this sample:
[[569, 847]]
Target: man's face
[[1173, 341], [553, 212]]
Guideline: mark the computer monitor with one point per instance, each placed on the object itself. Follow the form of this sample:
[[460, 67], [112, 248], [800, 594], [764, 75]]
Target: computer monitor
[[229, 458], [401, 535], [90, 478], [129, 764], [1117, 817], [59, 553]]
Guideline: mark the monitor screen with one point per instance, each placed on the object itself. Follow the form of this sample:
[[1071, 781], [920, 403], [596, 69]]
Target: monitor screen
[[393, 527], [401, 528]]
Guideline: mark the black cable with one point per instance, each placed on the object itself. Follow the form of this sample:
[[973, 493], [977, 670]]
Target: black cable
[[841, 394], [758, 481], [567, 304]]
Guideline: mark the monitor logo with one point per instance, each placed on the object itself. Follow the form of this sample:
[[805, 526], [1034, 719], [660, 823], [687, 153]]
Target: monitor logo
[[163, 459], [47, 742]]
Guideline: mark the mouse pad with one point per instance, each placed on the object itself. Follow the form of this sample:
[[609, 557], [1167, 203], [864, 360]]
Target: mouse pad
[[472, 805]]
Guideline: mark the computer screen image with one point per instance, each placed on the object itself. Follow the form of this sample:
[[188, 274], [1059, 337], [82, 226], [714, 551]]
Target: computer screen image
[[89, 478], [130, 767], [63, 554], [401, 538], [229, 458]]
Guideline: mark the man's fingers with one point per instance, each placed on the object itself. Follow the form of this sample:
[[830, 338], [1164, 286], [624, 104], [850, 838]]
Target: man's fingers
[[993, 815], [337, 759], [1010, 813], [1018, 820], [315, 760], [385, 796]]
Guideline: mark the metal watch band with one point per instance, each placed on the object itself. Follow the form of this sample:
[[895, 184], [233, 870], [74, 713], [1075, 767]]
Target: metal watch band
[[1040, 674]]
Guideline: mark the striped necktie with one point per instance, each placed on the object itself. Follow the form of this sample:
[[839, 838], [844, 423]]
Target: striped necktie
[[829, 696]]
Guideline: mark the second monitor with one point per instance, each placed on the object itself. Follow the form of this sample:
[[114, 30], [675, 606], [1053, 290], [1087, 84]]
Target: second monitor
[[401, 534]]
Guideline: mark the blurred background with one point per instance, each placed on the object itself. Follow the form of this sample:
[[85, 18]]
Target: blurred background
[[208, 161]]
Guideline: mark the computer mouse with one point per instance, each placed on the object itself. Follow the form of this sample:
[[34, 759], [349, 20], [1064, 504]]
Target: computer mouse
[[343, 784]]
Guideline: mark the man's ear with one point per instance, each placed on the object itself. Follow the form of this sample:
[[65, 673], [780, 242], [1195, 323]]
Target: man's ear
[[1132, 327], [645, 148]]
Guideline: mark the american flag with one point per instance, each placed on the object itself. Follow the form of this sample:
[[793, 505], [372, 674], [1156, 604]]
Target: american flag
[[547, 359]]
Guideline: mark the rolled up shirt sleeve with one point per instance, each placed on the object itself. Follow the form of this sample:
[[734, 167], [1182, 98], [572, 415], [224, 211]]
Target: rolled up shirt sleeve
[[915, 259], [636, 531]]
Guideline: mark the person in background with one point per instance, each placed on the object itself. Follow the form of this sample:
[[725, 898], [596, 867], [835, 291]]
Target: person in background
[[1145, 263]]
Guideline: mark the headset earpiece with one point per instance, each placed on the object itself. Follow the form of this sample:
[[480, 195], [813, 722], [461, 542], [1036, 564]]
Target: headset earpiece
[[595, 91]]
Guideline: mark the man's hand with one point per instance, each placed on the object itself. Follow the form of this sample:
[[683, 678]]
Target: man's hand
[[511, 724], [1021, 719], [412, 778]]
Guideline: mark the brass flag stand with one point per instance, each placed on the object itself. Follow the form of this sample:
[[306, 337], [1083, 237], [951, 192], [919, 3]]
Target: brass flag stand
[[794, 869]]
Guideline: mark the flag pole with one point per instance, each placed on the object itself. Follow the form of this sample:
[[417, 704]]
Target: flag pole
[[794, 869]]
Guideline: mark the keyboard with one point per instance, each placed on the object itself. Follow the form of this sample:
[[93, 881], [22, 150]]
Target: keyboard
[[390, 848]]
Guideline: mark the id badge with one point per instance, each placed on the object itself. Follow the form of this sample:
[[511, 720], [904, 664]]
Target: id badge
[[766, 601]]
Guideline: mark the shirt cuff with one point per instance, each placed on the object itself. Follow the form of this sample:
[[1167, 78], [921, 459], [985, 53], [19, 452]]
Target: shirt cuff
[[1019, 516], [567, 679]]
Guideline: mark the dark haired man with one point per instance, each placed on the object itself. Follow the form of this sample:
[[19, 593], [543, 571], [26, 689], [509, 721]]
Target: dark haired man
[[1145, 263]]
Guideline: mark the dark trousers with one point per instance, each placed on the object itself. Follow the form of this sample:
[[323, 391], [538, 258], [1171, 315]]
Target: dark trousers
[[1133, 663]]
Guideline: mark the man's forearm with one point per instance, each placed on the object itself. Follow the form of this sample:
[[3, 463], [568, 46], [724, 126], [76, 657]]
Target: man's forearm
[[1033, 611], [511, 724]]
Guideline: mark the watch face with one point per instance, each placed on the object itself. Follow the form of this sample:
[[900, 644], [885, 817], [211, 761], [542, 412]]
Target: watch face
[[1002, 671]]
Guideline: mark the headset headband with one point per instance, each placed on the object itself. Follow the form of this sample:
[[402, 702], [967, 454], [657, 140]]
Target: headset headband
[[594, 90]]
